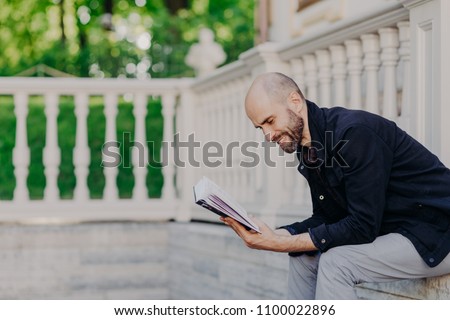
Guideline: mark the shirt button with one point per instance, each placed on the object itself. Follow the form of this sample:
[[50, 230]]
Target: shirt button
[[302, 167], [321, 197], [431, 260], [323, 241]]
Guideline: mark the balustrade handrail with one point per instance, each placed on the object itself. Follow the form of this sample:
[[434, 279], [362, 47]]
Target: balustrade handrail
[[70, 86], [51, 207]]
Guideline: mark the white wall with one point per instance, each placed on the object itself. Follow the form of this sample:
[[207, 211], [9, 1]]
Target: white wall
[[287, 23]]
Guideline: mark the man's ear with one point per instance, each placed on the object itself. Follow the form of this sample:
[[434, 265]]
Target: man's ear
[[296, 100]]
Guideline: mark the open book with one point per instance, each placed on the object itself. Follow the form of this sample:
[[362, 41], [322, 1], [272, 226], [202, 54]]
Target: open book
[[210, 196]]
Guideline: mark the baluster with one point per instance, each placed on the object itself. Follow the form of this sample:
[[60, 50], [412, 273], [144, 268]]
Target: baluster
[[111, 191], [371, 48], [244, 135], [354, 55], [168, 110], [404, 52], [227, 128], [311, 77], [222, 133], [140, 150], [81, 152], [213, 111], [389, 56], [298, 73], [21, 152], [52, 154], [212, 127], [210, 132], [236, 137], [324, 64], [339, 71]]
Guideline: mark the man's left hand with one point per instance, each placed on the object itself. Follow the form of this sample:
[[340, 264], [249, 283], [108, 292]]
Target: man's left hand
[[266, 240]]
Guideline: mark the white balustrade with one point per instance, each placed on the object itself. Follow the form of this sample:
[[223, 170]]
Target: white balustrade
[[298, 73], [111, 191], [324, 65], [354, 55], [339, 72], [404, 52], [211, 120], [341, 67], [237, 135], [244, 188], [389, 57], [227, 127], [311, 79], [81, 152], [82, 208], [21, 153], [222, 135], [52, 154], [168, 110], [371, 49], [140, 150]]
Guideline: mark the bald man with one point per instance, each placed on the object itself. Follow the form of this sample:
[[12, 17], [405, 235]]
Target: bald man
[[381, 201]]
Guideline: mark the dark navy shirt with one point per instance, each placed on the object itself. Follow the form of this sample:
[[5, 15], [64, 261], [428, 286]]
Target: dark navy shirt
[[369, 178]]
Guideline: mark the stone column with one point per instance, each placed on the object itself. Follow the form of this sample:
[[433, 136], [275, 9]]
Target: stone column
[[430, 73]]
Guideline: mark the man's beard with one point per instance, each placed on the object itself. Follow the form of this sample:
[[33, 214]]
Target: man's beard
[[293, 133]]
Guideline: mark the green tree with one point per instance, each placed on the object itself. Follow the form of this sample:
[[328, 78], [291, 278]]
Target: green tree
[[110, 38]]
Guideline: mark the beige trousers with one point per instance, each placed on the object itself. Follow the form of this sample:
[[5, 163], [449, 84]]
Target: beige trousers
[[333, 274]]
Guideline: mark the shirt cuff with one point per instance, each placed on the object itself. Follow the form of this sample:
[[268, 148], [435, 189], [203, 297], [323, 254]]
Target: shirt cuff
[[320, 237], [291, 230]]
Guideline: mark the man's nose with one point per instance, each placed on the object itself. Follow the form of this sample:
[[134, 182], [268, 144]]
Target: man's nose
[[268, 135]]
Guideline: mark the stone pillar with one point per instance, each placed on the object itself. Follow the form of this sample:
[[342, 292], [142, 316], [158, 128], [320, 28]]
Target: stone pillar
[[430, 73]]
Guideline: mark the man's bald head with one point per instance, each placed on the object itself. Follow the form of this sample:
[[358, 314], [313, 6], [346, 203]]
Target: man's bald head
[[274, 87], [274, 103]]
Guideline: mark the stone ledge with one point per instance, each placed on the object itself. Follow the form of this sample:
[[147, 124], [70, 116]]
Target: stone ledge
[[437, 288]]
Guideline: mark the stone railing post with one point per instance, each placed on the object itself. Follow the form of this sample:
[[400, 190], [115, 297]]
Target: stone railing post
[[21, 152], [186, 173], [430, 73], [168, 110], [52, 154], [81, 152], [140, 150], [111, 191]]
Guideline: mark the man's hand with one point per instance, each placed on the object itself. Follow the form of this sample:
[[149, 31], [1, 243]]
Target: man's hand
[[266, 240], [280, 241]]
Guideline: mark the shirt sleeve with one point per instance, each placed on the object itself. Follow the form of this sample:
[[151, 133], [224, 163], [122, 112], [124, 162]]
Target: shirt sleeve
[[315, 220], [366, 174]]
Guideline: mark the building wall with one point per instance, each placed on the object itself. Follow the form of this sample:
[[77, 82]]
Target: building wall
[[135, 261], [84, 261], [209, 261], [149, 260]]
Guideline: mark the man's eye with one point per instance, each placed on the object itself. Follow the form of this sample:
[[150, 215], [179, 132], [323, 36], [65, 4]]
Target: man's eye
[[270, 121]]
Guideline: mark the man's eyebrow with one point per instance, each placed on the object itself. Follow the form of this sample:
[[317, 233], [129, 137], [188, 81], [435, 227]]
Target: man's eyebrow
[[265, 120]]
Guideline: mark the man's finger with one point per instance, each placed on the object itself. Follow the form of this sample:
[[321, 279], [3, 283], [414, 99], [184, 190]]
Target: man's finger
[[237, 227]]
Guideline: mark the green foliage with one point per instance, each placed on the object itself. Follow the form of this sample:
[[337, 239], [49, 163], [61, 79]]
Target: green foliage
[[7, 137], [70, 35]]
